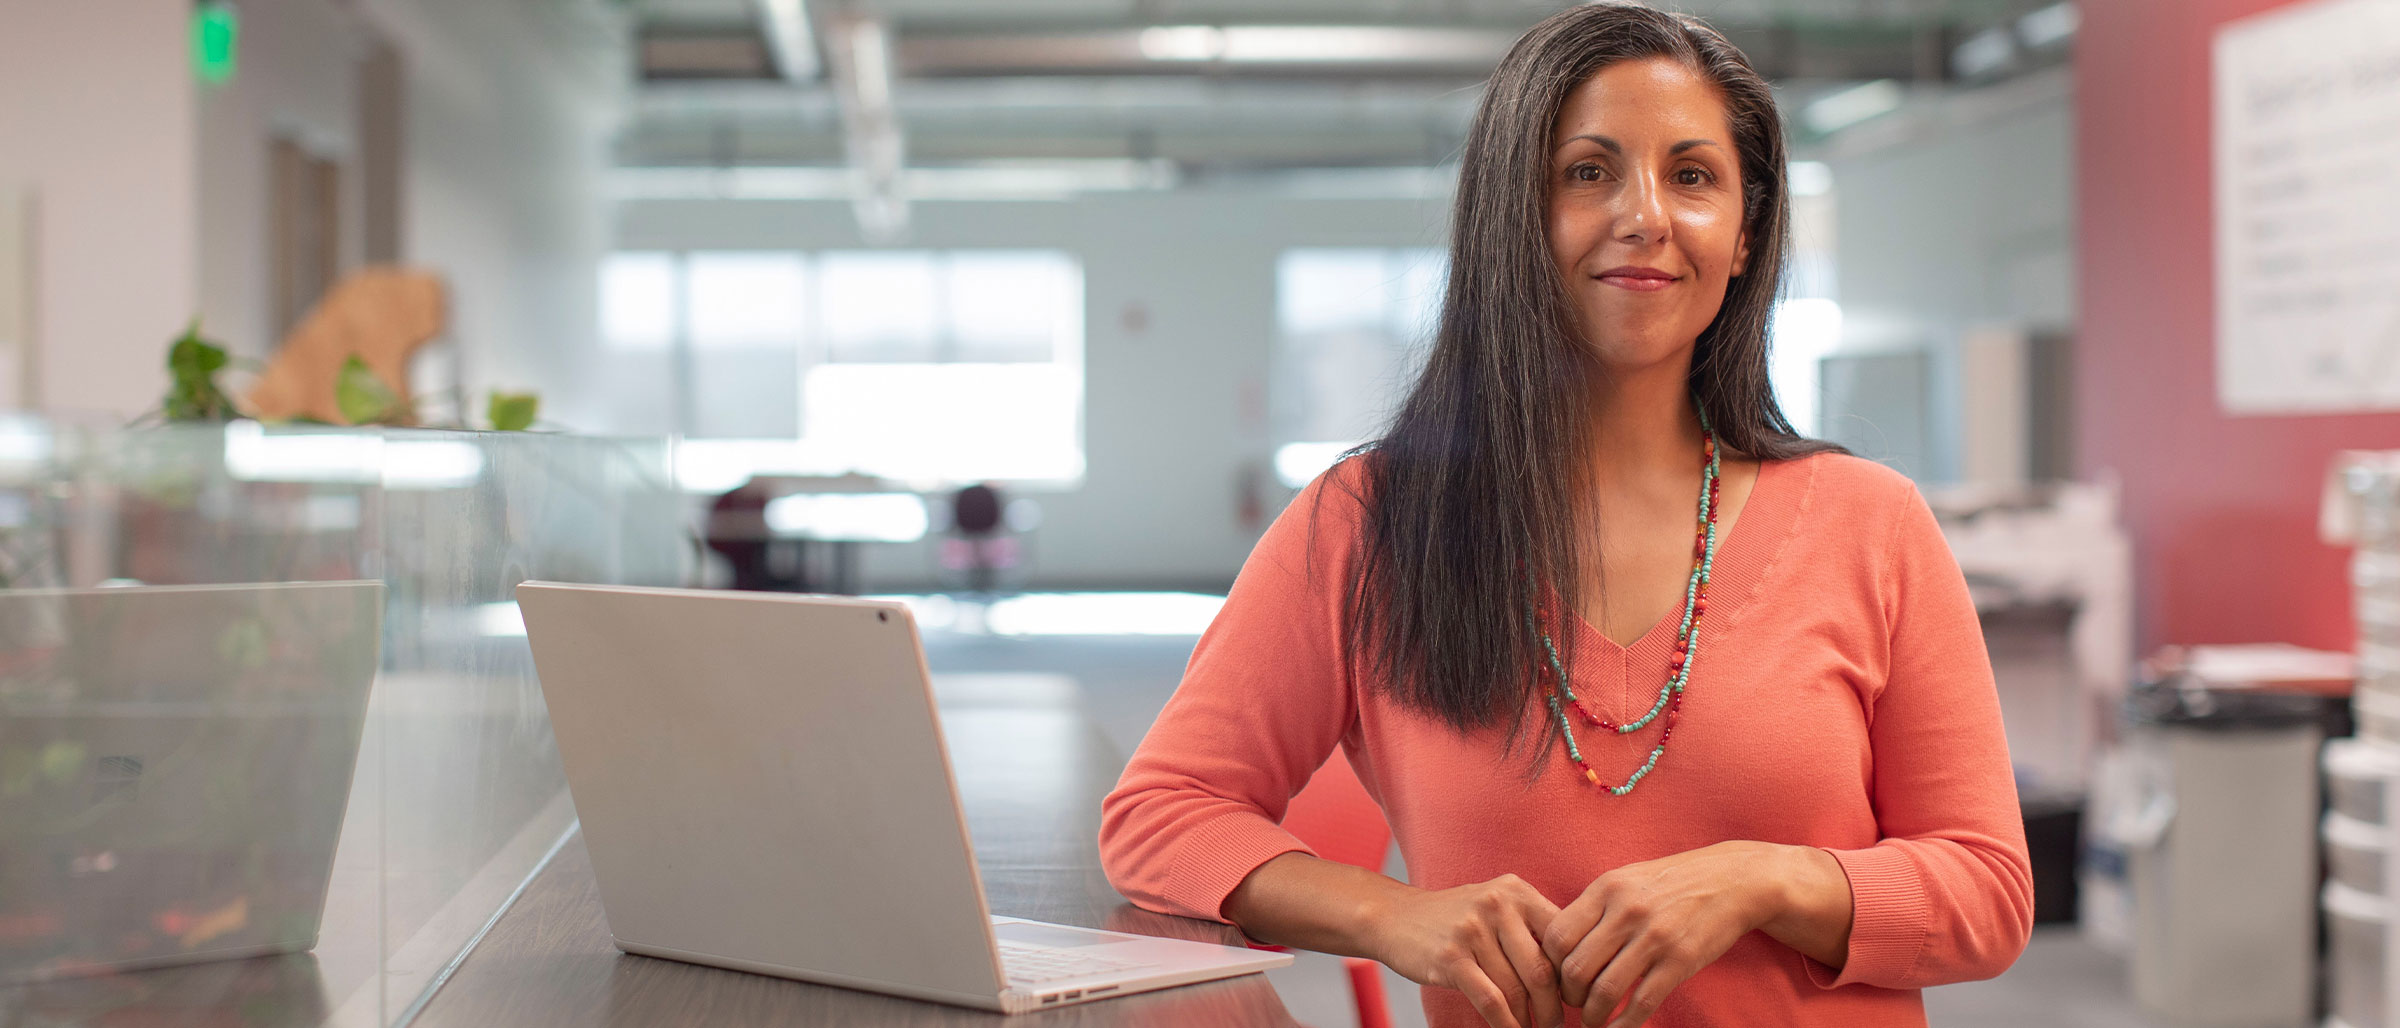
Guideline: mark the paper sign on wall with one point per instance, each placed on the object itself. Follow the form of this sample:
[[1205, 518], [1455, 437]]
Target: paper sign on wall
[[2307, 171]]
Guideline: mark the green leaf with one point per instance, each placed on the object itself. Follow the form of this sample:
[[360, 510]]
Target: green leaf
[[513, 412], [363, 398], [192, 364], [192, 357]]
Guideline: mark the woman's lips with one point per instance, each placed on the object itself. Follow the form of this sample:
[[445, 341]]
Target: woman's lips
[[1640, 280]]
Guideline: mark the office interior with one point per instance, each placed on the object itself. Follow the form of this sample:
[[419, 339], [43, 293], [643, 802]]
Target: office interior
[[1033, 316]]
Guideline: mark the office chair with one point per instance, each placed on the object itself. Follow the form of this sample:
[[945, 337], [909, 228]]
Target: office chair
[[980, 545]]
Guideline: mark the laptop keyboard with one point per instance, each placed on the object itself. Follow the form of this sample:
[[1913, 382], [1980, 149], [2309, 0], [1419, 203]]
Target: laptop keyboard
[[1033, 965]]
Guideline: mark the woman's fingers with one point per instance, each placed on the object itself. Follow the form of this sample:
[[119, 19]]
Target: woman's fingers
[[1535, 971], [1573, 922], [1587, 956], [1662, 979], [1628, 967], [1497, 967], [1467, 976]]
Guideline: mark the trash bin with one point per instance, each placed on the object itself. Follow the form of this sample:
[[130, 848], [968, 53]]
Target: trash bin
[[2220, 847]]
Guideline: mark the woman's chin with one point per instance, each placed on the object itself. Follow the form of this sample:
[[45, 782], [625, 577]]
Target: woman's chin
[[1622, 353]]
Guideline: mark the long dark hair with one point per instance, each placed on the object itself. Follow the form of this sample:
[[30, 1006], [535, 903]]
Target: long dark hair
[[1473, 511]]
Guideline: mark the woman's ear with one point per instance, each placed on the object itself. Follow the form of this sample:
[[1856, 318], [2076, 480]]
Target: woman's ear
[[1741, 253]]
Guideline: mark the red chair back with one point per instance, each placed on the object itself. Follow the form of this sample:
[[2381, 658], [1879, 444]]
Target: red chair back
[[1336, 817]]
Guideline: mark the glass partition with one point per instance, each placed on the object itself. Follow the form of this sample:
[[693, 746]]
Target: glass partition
[[265, 690]]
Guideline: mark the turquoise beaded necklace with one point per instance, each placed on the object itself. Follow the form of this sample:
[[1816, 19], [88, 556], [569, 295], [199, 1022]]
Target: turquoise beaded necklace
[[1687, 643]]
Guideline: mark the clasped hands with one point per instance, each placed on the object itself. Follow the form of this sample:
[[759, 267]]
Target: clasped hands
[[1632, 937]]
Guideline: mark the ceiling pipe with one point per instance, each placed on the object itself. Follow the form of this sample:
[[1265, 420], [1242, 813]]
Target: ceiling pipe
[[1184, 49], [791, 39], [861, 55]]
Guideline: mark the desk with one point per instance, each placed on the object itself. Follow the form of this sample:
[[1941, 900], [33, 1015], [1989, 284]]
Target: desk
[[1031, 769]]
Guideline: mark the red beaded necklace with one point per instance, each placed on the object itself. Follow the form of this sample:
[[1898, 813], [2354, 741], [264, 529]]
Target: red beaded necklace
[[1687, 643]]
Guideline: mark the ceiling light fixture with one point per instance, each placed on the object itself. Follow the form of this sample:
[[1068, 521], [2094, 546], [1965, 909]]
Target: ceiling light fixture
[[2050, 26], [1181, 43], [1050, 179], [1984, 54], [1320, 44], [1837, 111]]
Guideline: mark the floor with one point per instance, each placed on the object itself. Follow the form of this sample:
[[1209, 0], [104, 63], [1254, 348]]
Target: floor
[[2061, 981]]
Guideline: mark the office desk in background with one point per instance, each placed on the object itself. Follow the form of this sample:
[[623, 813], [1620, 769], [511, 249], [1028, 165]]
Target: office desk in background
[[1031, 770]]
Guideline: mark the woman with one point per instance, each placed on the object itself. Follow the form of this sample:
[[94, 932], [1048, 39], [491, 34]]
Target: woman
[[1677, 716]]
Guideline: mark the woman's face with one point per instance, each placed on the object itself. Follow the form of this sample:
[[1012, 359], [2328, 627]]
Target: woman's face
[[1645, 200]]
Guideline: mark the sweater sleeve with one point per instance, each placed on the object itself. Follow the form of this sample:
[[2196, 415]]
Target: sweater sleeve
[[1947, 894], [1266, 696]]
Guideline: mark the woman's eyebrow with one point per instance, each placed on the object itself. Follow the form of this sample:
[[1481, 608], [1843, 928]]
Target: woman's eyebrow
[[1612, 146]]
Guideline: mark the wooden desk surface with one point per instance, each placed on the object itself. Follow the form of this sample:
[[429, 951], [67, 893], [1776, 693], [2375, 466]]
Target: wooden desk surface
[[1031, 770]]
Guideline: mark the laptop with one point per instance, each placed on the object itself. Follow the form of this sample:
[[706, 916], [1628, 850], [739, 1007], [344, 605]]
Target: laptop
[[175, 762], [763, 786]]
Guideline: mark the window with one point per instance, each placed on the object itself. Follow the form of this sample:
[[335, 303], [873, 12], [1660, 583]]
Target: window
[[948, 307], [637, 300], [952, 366], [950, 422], [746, 300], [881, 306], [984, 297], [1353, 326], [923, 366], [1808, 322]]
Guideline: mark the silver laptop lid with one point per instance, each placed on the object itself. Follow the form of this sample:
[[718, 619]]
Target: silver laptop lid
[[762, 781], [174, 767]]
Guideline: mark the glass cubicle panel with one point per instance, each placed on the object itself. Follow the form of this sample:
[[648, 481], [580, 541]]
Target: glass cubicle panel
[[200, 772], [175, 766]]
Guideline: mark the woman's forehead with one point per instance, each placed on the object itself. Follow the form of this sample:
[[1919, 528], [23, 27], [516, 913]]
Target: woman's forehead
[[1649, 98]]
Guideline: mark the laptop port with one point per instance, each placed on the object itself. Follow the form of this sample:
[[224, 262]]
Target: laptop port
[[1100, 989], [1049, 999], [1073, 994]]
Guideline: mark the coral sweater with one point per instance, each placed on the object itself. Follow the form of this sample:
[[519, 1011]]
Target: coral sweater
[[1841, 697]]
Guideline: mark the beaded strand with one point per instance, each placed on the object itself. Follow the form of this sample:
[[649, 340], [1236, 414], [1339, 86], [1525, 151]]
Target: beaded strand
[[1687, 643]]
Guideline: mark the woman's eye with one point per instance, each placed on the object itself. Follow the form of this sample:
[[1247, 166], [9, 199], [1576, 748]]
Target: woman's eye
[[1689, 175], [1584, 173]]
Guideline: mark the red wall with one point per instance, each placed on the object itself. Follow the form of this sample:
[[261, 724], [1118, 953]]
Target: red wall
[[2222, 510]]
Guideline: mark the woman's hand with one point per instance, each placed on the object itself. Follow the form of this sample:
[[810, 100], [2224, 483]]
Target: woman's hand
[[1642, 929], [1483, 940]]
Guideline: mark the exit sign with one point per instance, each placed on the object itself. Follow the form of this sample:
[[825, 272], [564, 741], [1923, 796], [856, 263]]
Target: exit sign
[[214, 28]]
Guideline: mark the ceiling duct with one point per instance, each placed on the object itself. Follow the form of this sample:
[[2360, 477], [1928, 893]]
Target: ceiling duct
[[672, 55], [1390, 51], [861, 55], [791, 40], [1863, 49]]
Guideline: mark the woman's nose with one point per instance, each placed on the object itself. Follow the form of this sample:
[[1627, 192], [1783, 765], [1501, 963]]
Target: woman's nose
[[1641, 217]]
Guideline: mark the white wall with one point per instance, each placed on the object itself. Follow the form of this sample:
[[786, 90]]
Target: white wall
[[151, 190], [1966, 220], [1175, 410], [97, 123], [506, 111], [297, 77]]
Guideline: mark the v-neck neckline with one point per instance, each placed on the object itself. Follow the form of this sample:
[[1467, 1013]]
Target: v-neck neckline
[[1742, 557]]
